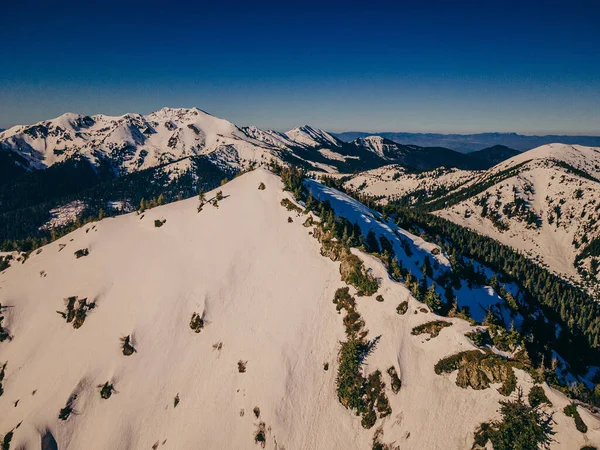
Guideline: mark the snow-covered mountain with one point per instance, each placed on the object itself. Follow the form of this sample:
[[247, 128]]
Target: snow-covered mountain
[[132, 142], [395, 182], [135, 142], [312, 137], [544, 202], [216, 329]]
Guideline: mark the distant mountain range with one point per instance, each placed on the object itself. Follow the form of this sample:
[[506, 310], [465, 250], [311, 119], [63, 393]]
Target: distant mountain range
[[471, 142]]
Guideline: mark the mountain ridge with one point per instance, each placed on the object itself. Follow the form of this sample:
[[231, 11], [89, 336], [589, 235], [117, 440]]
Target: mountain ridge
[[467, 143]]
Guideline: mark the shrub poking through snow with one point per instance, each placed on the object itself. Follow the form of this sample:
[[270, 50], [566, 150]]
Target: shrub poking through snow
[[159, 223], [326, 366], [261, 186], [290, 206], [537, 396], [176, 400], [521, 427], [571, 411], [378, 445], [2, 373], [256, 412], [395, 381], [196, 323], [260, 435], [4, 334], [76, 310], [219, 196], [6, 440], [242, 366], [433, 328], [106, 390], [402, 308], [290, 220], [82, 252], [354, 273], [477, 369], [379, 298], [126, 346], [65, 412], [309, 222], [201, 199]]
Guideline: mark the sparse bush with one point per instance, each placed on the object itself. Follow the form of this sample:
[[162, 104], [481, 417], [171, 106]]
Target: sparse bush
[[379, 298], [4, 334], [176, 401], [219, 196], [395, 383], [571, 411], [476, 369], [256, 412], [2, 374], [537, 396], [290, 220], [260, 436], [290, 206], [261, 186], [106, 390], [126, 346], [196, 323], [82, 252], [65, 412], [433, 328], [159, 223], [354, 273], [402, 308], [242, 366], [76, 310]]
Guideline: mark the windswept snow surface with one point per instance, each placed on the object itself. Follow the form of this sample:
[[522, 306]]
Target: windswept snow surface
[[265, 294]]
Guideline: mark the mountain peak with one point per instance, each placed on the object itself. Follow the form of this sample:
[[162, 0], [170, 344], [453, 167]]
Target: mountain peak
[[307, 135]]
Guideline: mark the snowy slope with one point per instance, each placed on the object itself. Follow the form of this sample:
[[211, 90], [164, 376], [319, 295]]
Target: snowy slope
[[265, 294], [393, 182], [312, 137], [378, 145], [549, 208]]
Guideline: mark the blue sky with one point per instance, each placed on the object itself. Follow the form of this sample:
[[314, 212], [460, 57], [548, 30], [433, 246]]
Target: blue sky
[[380, 66]]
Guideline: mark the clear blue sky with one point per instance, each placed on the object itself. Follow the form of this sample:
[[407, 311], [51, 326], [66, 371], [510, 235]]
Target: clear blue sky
[[381, 66]]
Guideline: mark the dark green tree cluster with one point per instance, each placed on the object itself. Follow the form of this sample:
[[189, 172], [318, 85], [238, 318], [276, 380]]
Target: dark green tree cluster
[[522, 427], [363, 394]]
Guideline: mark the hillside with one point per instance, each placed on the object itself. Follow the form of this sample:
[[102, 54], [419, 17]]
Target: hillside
[[396, 183], [544, 202], [261, 368]]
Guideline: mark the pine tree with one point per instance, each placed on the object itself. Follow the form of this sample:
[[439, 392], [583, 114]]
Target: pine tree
[[427, 269], [432, 299], [371, 242]]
